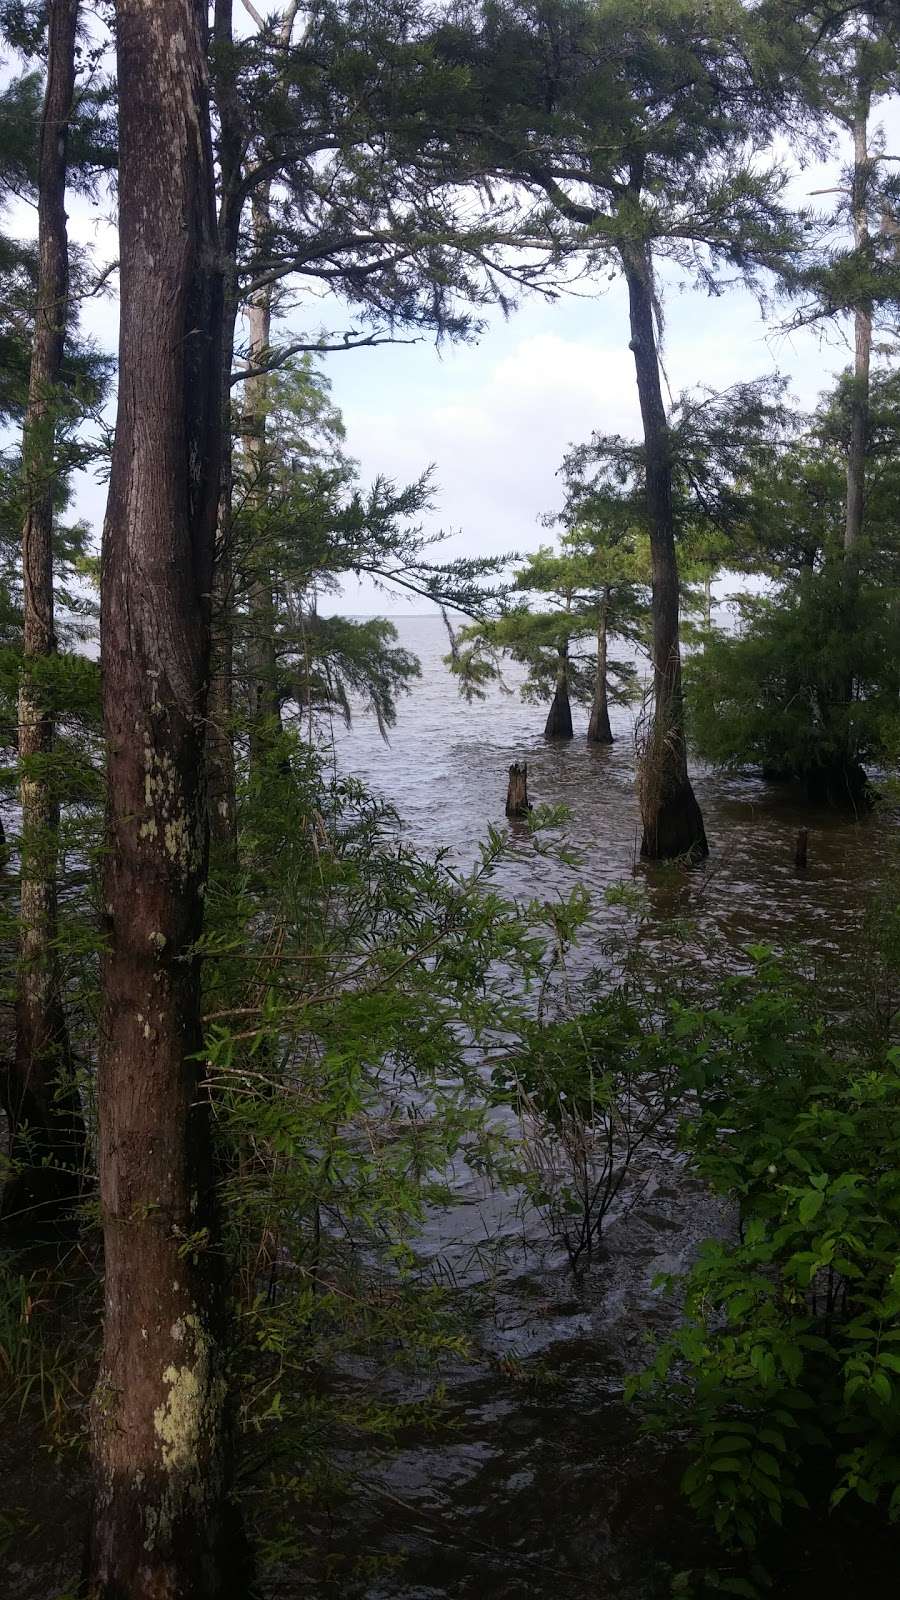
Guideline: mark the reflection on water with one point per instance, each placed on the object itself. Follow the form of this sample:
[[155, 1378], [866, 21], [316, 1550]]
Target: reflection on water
[[542, 1487]]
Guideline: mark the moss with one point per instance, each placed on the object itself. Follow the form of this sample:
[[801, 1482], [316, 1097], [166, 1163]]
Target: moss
[[194, 1400]]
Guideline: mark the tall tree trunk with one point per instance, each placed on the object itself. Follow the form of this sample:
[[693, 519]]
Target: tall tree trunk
[[672, 821], [221, 776], [219, 742], [851, 780], [859, 401], [599, 730], [559, 720], [161, 1522], [265, 706], [42, 1103]]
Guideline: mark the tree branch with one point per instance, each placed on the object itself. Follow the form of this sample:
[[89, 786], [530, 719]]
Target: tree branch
[[320, 347]]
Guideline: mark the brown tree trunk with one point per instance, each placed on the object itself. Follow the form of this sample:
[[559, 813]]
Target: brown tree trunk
[[161, 1522], [599, 730], [219, 742], [40, 1097], [859, 403], [673, 824], [859, 418], [559, 720], [265, 706], [221, 774]]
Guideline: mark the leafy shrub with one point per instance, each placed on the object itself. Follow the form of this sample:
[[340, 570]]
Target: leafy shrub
[[786, 1369]]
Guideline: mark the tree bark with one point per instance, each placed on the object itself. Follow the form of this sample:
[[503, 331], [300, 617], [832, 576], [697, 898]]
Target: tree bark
[[221, 774], [559, 720], [265, 705], [41, 1100], [162, 1528], [517, 804], [859, 402], [859, 411], [672, 821], [599, 730]]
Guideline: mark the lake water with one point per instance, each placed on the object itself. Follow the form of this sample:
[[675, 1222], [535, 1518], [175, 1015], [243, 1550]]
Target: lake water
[[445, 769], [545, 1488]]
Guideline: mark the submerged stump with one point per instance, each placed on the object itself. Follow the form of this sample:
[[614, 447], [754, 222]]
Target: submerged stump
[[517, 803]]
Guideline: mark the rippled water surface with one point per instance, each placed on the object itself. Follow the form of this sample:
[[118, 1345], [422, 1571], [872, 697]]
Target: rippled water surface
[[445, 769], [542, 1486]]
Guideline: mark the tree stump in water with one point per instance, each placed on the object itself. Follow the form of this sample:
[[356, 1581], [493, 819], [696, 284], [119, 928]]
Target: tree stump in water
[[517, 804], [800, 851]]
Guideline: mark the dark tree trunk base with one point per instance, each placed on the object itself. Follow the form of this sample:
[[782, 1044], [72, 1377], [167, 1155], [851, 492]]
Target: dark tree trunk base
[[216, 1565], [559, 721], [676, 830], [599, 730], [842, 786]]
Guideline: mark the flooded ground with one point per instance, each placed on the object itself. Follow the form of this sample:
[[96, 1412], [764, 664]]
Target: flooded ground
[[542, 1485]]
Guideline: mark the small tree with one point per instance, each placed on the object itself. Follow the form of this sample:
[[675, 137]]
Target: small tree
[[642, 133], [804, 689], [300, 522], [562, 644]]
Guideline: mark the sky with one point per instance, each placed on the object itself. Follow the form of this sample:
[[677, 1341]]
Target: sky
[[494, 417]]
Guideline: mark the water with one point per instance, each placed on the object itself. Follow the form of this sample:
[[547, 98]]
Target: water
[[445, 770], [542, 1485]]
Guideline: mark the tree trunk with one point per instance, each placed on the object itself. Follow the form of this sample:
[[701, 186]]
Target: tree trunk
[[265, 706], [40, 1097], [221, 775], [859, 408], [859, 403], [219, 742], [162, 1528], [599, 730], [673, 824], [559, 720]]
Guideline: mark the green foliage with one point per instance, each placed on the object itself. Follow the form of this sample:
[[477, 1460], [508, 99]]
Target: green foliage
[[807, 684], [302, 522], [591, 1092], [785, 1371], [633, 125], [593, 585], [349, 995], [797, 691]]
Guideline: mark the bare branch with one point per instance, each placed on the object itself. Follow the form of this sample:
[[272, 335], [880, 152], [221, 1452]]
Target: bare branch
[[316, 347]]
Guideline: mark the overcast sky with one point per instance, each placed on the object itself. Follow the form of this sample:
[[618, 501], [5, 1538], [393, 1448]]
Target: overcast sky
[[496, 416]]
